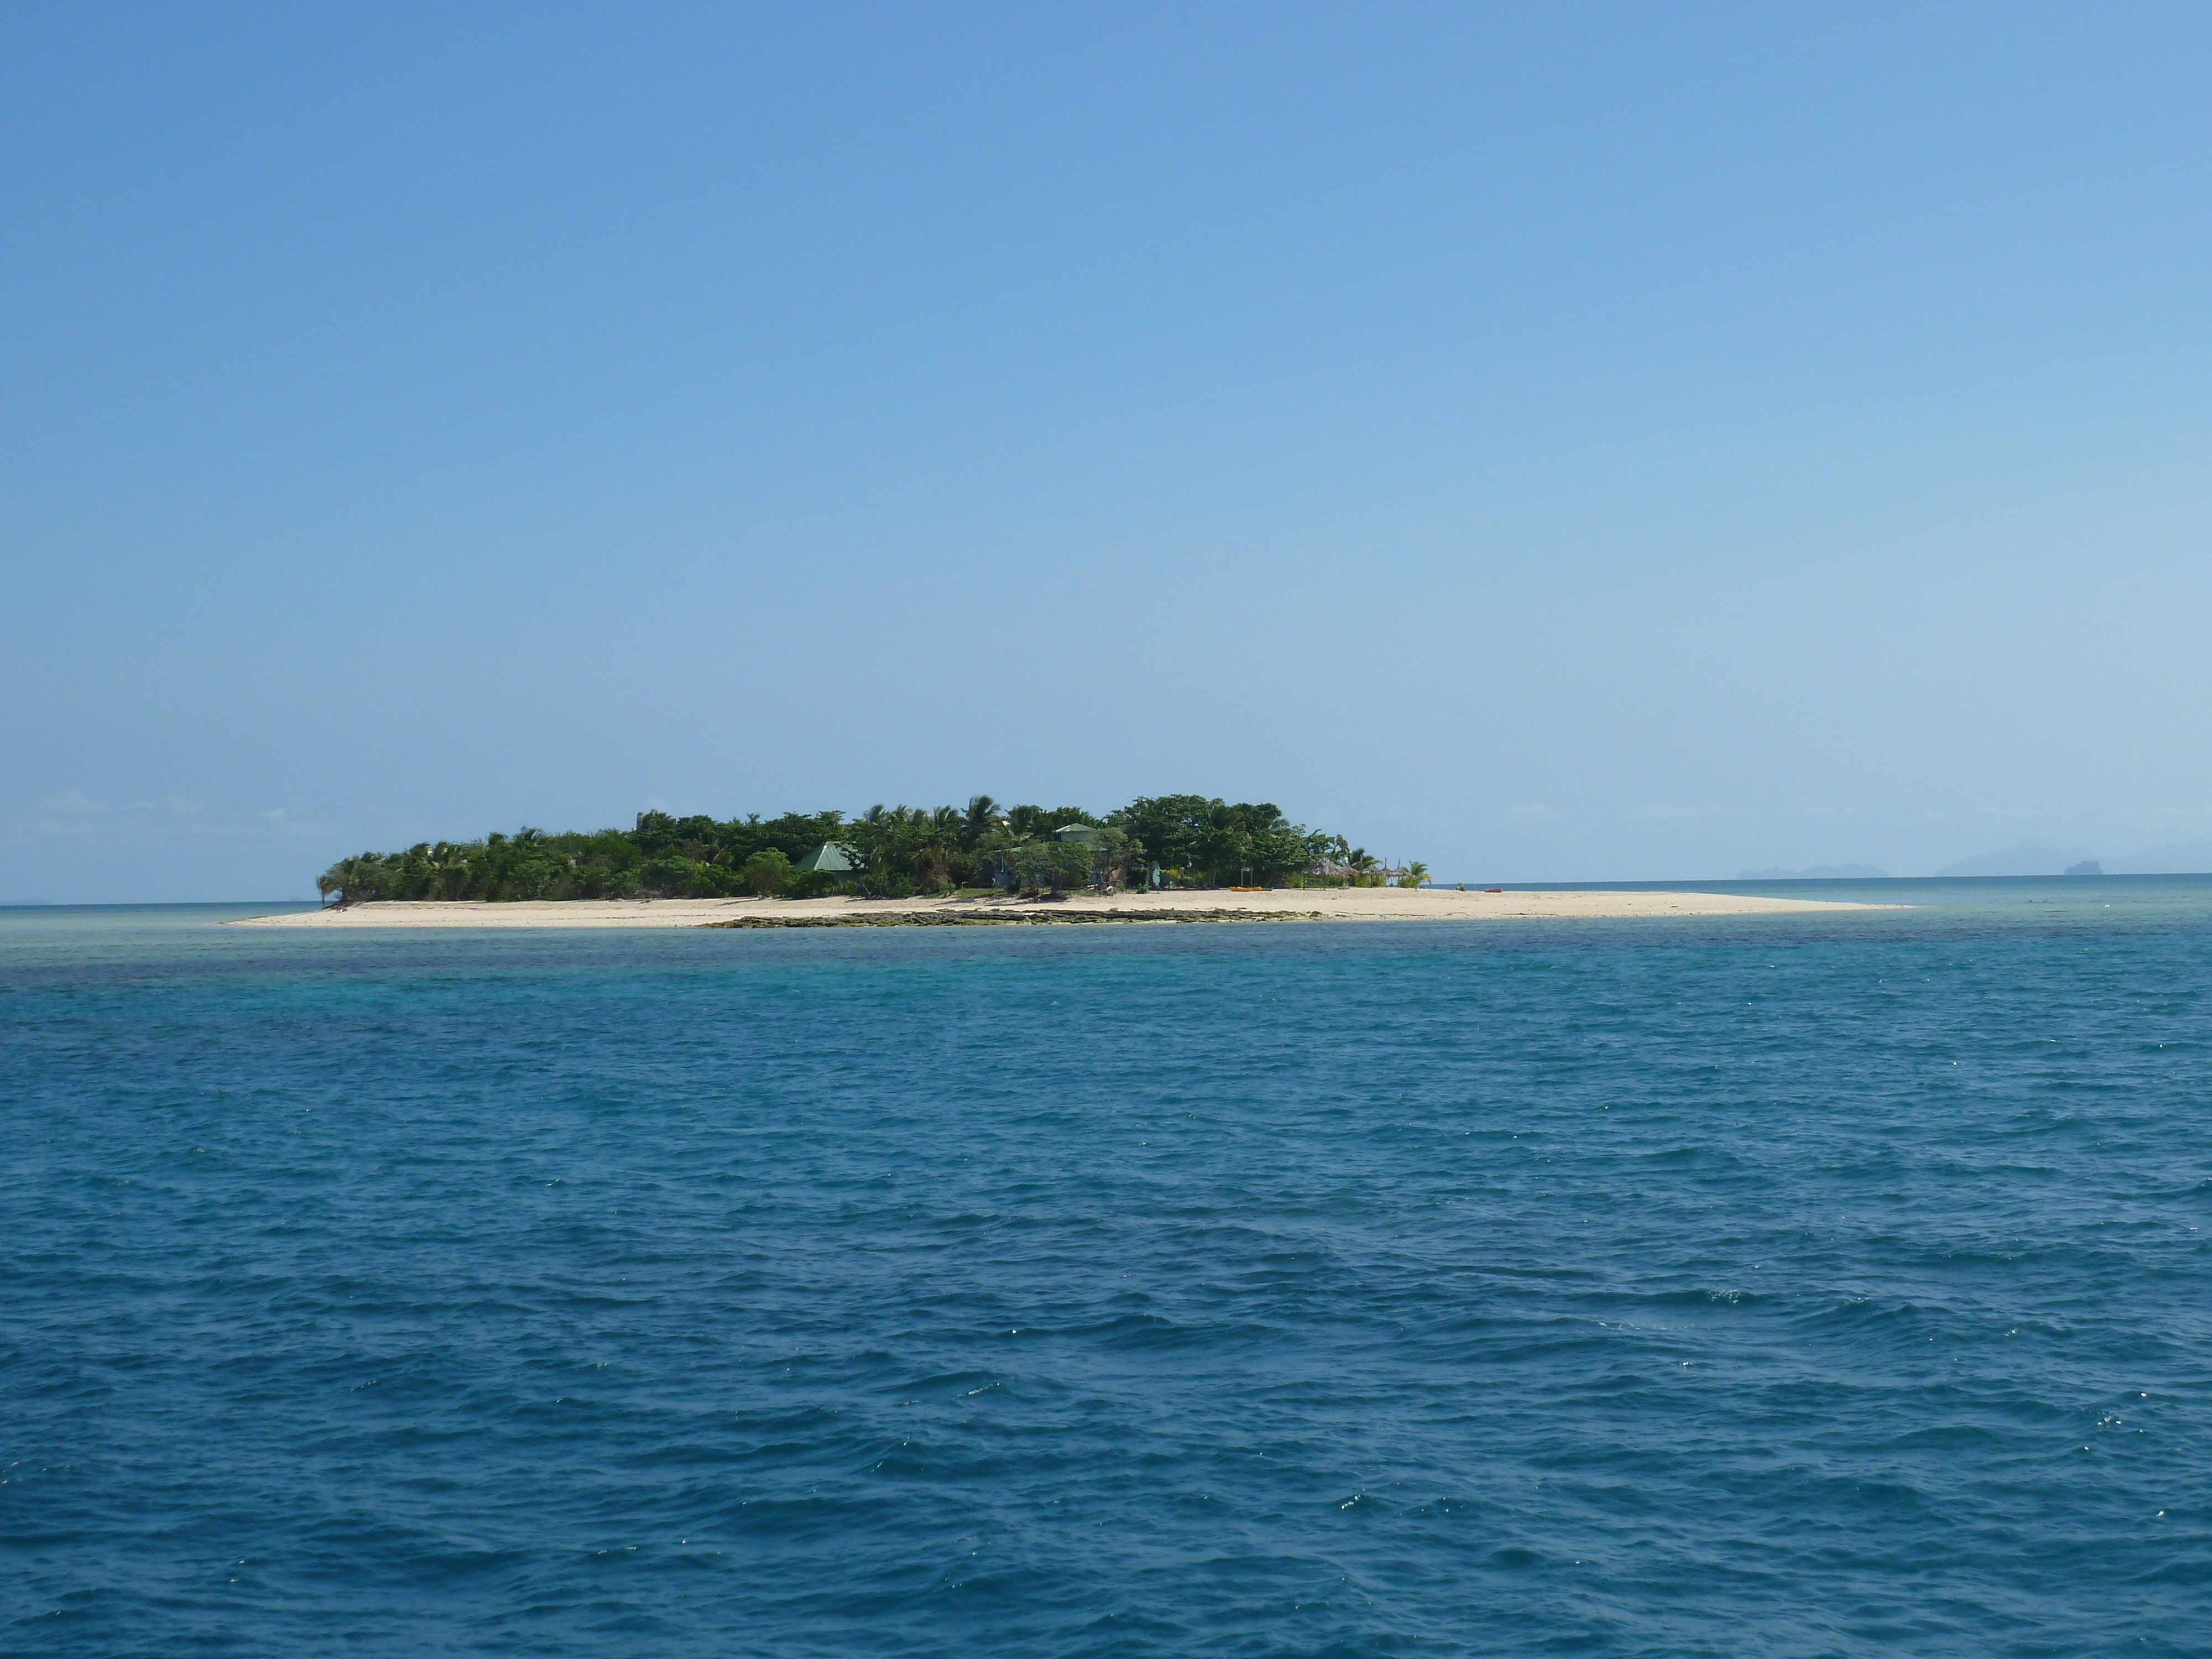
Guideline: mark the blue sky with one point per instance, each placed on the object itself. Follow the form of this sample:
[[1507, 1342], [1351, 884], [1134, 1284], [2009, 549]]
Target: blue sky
[[1575, 443]]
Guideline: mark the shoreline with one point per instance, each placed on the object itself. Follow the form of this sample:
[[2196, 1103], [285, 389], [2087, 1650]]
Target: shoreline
[[1186, 906]]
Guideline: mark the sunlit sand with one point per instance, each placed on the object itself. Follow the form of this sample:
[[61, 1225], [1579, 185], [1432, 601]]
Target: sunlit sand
[[1215, 904]]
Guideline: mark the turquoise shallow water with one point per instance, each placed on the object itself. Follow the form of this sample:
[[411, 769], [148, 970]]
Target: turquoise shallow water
[[1801, 1285]]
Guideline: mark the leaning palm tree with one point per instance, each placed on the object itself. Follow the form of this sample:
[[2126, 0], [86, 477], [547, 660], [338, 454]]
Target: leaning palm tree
[[353, 879]]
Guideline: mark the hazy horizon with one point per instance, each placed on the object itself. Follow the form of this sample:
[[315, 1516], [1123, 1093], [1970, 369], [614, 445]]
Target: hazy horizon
[[1575, 444], [2026, 860]]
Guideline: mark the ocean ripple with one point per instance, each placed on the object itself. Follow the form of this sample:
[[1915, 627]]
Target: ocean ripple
[[1813, 1285]]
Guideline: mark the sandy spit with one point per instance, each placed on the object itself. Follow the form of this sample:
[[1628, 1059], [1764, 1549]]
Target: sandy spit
[[1284, 904]]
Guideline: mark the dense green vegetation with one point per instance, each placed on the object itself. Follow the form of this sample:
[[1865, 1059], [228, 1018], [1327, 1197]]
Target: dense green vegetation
[[896, 851]]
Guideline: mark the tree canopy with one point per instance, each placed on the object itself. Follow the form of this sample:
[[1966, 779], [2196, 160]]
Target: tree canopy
[[1193, 840]]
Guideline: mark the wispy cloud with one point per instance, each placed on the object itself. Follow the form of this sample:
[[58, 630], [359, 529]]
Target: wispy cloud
[[69, 803], [65, 812], [74, 814], [1659, 810]]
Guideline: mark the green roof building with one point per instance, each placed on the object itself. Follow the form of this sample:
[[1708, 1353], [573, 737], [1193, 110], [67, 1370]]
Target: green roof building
[[830, 859]]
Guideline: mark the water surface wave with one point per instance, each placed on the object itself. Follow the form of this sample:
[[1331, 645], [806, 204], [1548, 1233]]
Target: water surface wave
[[1798, 1285]]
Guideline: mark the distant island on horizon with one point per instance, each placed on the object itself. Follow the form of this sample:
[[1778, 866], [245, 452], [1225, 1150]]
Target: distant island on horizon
[[2023, 858], [1819, 873], [2041, 857], [895, 851]]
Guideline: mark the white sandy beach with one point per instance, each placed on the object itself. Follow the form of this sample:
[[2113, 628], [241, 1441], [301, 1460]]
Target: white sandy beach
[[1217, 904]]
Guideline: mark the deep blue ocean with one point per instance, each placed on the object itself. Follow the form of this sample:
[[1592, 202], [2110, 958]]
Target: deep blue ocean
[[1796, 1285]]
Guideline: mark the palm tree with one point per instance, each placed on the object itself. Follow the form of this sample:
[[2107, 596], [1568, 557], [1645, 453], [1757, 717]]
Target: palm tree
[[980, 818], [936, 837], [352, 879], [1416, 873]]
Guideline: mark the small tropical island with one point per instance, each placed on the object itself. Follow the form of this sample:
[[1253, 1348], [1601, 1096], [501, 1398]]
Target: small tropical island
[[1166, 841], [1160, 858]]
